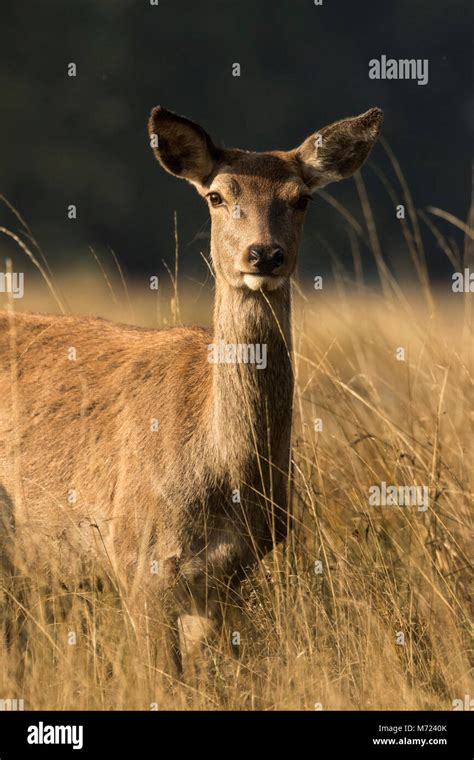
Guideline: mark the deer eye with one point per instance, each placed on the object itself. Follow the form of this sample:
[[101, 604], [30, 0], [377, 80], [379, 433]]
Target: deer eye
[[215, 199], [302, 202]]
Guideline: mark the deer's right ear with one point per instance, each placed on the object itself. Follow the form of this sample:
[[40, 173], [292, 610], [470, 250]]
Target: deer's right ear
[[182, 147]]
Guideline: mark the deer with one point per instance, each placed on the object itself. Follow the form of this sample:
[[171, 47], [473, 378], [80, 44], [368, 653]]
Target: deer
[[178, 457]]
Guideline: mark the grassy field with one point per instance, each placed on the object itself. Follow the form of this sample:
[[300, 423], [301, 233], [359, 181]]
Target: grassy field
[[365, 606]]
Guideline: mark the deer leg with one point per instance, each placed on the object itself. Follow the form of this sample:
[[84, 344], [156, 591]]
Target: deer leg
[[158, 616], [199, 625], [194, 631]]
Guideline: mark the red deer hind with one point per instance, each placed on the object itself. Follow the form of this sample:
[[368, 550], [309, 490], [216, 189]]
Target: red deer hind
[[175, 442]]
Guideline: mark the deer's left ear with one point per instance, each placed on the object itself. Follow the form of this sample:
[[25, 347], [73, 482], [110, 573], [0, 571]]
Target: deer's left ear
[[338, 150]]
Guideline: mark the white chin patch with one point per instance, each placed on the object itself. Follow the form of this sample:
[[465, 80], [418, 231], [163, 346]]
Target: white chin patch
[[257, 282]]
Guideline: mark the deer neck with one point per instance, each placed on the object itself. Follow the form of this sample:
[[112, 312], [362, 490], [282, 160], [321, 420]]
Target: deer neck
[[252, 400]]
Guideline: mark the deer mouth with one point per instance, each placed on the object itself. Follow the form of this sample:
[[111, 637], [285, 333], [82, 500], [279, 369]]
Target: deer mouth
[[255, 281]]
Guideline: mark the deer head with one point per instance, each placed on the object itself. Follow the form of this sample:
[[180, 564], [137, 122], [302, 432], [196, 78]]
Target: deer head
[[257, 201]]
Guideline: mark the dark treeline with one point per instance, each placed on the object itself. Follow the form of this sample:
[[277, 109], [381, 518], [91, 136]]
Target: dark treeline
[[82, 140]]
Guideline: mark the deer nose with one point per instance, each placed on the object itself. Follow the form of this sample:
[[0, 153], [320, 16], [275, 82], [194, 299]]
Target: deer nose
[[265, 259]]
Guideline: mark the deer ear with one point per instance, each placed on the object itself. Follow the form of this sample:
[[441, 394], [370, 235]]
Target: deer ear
[[182, 147], [338, 150]]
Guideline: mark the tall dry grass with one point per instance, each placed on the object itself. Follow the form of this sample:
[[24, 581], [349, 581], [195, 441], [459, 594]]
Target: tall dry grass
[[364, 607]]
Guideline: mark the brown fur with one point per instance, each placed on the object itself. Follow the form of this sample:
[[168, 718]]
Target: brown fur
[[85, 424]]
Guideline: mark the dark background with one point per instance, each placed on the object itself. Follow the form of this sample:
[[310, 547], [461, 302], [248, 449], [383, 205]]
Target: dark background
[[83, 140]]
